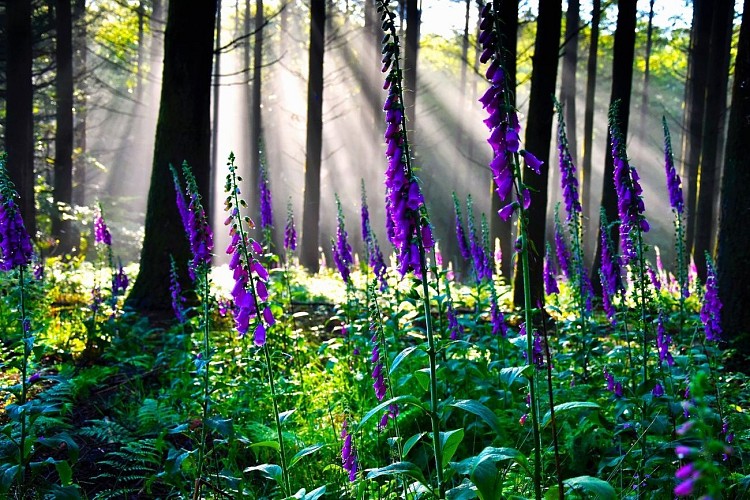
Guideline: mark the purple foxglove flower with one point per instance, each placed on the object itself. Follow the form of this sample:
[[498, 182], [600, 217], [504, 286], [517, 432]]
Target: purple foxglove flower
[[663, 341], [673, 179], [348, 454], [610, 381], [685, 471], [365, 215], [290, 233], [454, 329], [463, 246], [15, 244], [653, 277], [195, 221], [342, 251], [266, 207], [685, 488], [496, 316], [711, 308], [101, 231], [561, 249], [506, 212], [550, 282], [120, 281], [532, 161], [568, 179], [629, 193], [658, 390], [174, 288]]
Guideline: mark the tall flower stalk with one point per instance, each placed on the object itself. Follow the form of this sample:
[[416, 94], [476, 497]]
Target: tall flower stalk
[[16, 252], [251, 293], [200, 238], [580, 276], [266, 207], [506, 174], [407, 220]]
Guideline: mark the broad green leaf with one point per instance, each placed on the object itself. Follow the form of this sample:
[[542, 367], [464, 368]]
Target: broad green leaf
[[65, 472], [423, 377], [399, 469], [303, 453], [401, 357], [221, 425], [412, 441], [564, 407], [284, 415], [302, 494], [265, 444], [9, 474], [481, 411], [487, 479], [405, 399], [511, 374], [464, 491], [449, 442], [595, 487], [269, 471]]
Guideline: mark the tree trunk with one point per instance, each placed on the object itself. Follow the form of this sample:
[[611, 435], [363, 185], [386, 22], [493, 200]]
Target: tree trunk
[[314, 146], [500, 229], [256, 130], [62, 228], [588, 122], [733, 261], [694, 109], [216, 86], [568, 91], [717, 69], [411, 54], [646, 72], [81, 103], [182, 134], [538, 137], [19, 138], [622, 82]]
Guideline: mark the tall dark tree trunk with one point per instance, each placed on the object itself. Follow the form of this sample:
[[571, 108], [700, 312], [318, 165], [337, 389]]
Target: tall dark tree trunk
[[216, 86], [695, 110], [62, 228], [256, 130], [411, 54], [622, 82], [538, 137], [588, 121], [311, 203], [19, 120], [733, 260], [464, 91], [81, 103], [182, 134], [568, 90], [716, 100], [647, 71], [500, 229]]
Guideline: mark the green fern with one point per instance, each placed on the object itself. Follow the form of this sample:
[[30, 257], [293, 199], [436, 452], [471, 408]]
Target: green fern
[[131, 469]]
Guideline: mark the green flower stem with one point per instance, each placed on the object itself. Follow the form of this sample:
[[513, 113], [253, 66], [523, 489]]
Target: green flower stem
[[206, 381], [24, 383], [282, 452], [432, 355]]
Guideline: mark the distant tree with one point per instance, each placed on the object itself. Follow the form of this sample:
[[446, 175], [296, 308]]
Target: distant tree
[[256, 127], [568, 90], [647, 71], [19, 138], [182, 134], [500, 229], [622, 83], [588, 115], [538, 138], [733, 260], [717, 77], [695, 109], [411, 56], [80, 60], [62, 227], [313, 149]]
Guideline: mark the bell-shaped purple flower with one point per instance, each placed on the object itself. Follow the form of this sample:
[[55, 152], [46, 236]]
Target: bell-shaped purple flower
[[711, 308], [673, 178], [15, 244], [550, 282], [266, 207], [290, 232]]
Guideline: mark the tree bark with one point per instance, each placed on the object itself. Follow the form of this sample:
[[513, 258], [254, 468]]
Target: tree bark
[[717, 69], [622, 82], [314, 146], [81, 103], [538, 137], [646, 72], [256, 139], [62, 228], [182, 134], [500, 229], [216, 85], [588, 122], [733, 260], [694, 110], [19, 138], [411, 54], [568, 91]]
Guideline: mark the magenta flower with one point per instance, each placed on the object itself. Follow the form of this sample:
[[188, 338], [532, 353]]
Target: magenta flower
[[341, 250], [15, 244], [120, 281], [568, 179], [711, 308], [195, 221], [290, 232], [550, 282], [348, 454], [673, 178], [663, 340], [264, 190], [454, 329], [496, 315], [101, 231]]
